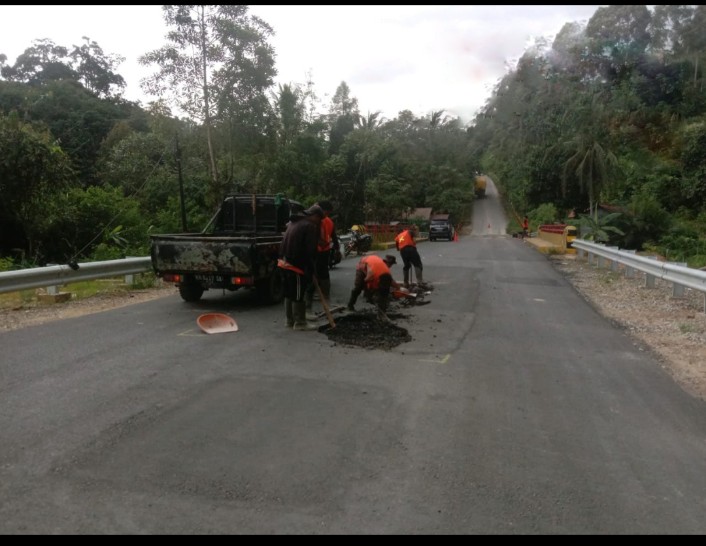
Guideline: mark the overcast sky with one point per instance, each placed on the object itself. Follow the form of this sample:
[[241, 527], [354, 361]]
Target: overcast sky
[[421, 58]]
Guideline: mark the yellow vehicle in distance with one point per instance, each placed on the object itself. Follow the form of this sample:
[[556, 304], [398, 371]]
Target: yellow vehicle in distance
[[479, 188]]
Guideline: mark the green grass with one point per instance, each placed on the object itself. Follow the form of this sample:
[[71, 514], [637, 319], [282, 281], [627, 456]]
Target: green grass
[[686, 328]]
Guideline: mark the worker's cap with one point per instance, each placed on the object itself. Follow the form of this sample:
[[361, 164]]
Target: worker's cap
[[314, 210], [389, 260]]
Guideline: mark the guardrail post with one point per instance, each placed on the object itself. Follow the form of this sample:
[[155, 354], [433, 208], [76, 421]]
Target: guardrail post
[[614, 263], [52, 290], [130, 277], [650, 279], [629, 270], [677, 289]]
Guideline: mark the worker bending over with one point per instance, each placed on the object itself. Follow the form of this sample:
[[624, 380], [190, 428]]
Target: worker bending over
[[374, 278]]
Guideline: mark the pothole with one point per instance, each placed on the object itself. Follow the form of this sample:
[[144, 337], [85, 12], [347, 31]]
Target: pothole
[[364, 329]]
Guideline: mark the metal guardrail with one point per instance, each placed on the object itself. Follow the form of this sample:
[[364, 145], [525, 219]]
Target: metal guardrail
[[56, 275], [678, 274]]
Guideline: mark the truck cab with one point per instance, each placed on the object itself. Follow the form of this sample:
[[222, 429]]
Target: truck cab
[[254, 214]]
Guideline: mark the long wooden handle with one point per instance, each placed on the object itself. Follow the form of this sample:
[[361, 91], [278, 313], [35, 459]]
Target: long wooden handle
[[331, 322]]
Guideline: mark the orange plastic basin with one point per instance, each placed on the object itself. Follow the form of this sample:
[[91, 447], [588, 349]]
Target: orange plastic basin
[[216, 323]]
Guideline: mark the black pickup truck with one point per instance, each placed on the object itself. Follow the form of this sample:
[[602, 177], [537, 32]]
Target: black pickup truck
[[237, 249]]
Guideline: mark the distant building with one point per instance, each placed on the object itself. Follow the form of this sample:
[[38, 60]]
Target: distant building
[[423, 214]]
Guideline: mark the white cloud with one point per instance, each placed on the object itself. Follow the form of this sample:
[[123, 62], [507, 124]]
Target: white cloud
[[421, 58]]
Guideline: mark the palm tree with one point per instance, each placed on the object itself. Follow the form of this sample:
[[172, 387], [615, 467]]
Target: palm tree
[[369, 122], [597, 228], [592, 165]]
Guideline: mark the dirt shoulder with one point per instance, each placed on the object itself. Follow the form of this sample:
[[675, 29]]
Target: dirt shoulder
[[35, 312]]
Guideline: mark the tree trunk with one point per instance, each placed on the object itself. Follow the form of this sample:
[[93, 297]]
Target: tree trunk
[[207, 109]]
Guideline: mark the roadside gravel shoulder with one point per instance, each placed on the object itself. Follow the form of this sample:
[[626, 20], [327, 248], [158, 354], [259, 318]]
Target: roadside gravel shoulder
[[35, 312], [674, 329]]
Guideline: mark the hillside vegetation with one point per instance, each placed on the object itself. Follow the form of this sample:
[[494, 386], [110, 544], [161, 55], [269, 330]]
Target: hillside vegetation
[[603, 126]]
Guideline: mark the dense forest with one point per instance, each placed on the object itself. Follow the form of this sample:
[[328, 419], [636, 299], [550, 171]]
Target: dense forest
[[604, 126]]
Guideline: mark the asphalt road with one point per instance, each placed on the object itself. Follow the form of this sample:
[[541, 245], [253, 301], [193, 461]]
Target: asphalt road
[[515, 409]]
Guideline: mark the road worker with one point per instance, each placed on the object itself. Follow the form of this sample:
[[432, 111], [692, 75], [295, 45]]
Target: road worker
[[407, 247], [328, 240], [525, 226], [297, 259], [374, 278]]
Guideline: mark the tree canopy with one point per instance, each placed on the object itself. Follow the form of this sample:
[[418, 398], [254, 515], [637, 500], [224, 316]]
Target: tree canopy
[[611, 112]]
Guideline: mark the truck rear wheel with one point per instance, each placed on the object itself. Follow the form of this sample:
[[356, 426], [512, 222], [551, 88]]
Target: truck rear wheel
[[271, 289], [190, 291]]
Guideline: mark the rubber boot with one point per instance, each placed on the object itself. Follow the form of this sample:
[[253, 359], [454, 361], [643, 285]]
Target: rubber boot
[[289, 312], [309, 311], [418, 273], [406, 277], [309, 303], [352, 300], [300, 323], [382, 307]]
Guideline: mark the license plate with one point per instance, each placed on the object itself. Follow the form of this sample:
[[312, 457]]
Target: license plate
[[209, 278]]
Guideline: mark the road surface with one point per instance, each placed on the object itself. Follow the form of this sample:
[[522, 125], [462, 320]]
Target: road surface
[[514, 409]]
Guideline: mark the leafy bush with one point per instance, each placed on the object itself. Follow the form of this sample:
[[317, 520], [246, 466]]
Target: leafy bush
[[600, 229], [646, 221], [546, 213], [683, 244]]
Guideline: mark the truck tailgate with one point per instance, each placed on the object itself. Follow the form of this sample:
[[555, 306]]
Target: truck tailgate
[[208, 254]]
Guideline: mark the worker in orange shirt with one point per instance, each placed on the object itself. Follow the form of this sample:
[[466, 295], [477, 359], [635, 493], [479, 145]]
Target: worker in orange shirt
[[407, 247], [374, 278]]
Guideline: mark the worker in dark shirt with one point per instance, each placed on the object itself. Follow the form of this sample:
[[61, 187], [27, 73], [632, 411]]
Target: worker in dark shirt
[[297, 259]]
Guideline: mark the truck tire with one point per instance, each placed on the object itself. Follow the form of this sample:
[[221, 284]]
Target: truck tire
[[190, 291], [271, 289]]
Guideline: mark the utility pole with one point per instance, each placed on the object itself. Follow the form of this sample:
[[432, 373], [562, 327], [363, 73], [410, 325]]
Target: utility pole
[[181, 185]]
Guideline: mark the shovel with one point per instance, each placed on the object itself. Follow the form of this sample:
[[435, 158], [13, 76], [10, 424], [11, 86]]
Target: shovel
[[324, 303], [332, 310]]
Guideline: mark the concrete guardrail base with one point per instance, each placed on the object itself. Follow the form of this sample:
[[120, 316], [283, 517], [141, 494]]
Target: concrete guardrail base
[[59, 297]]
